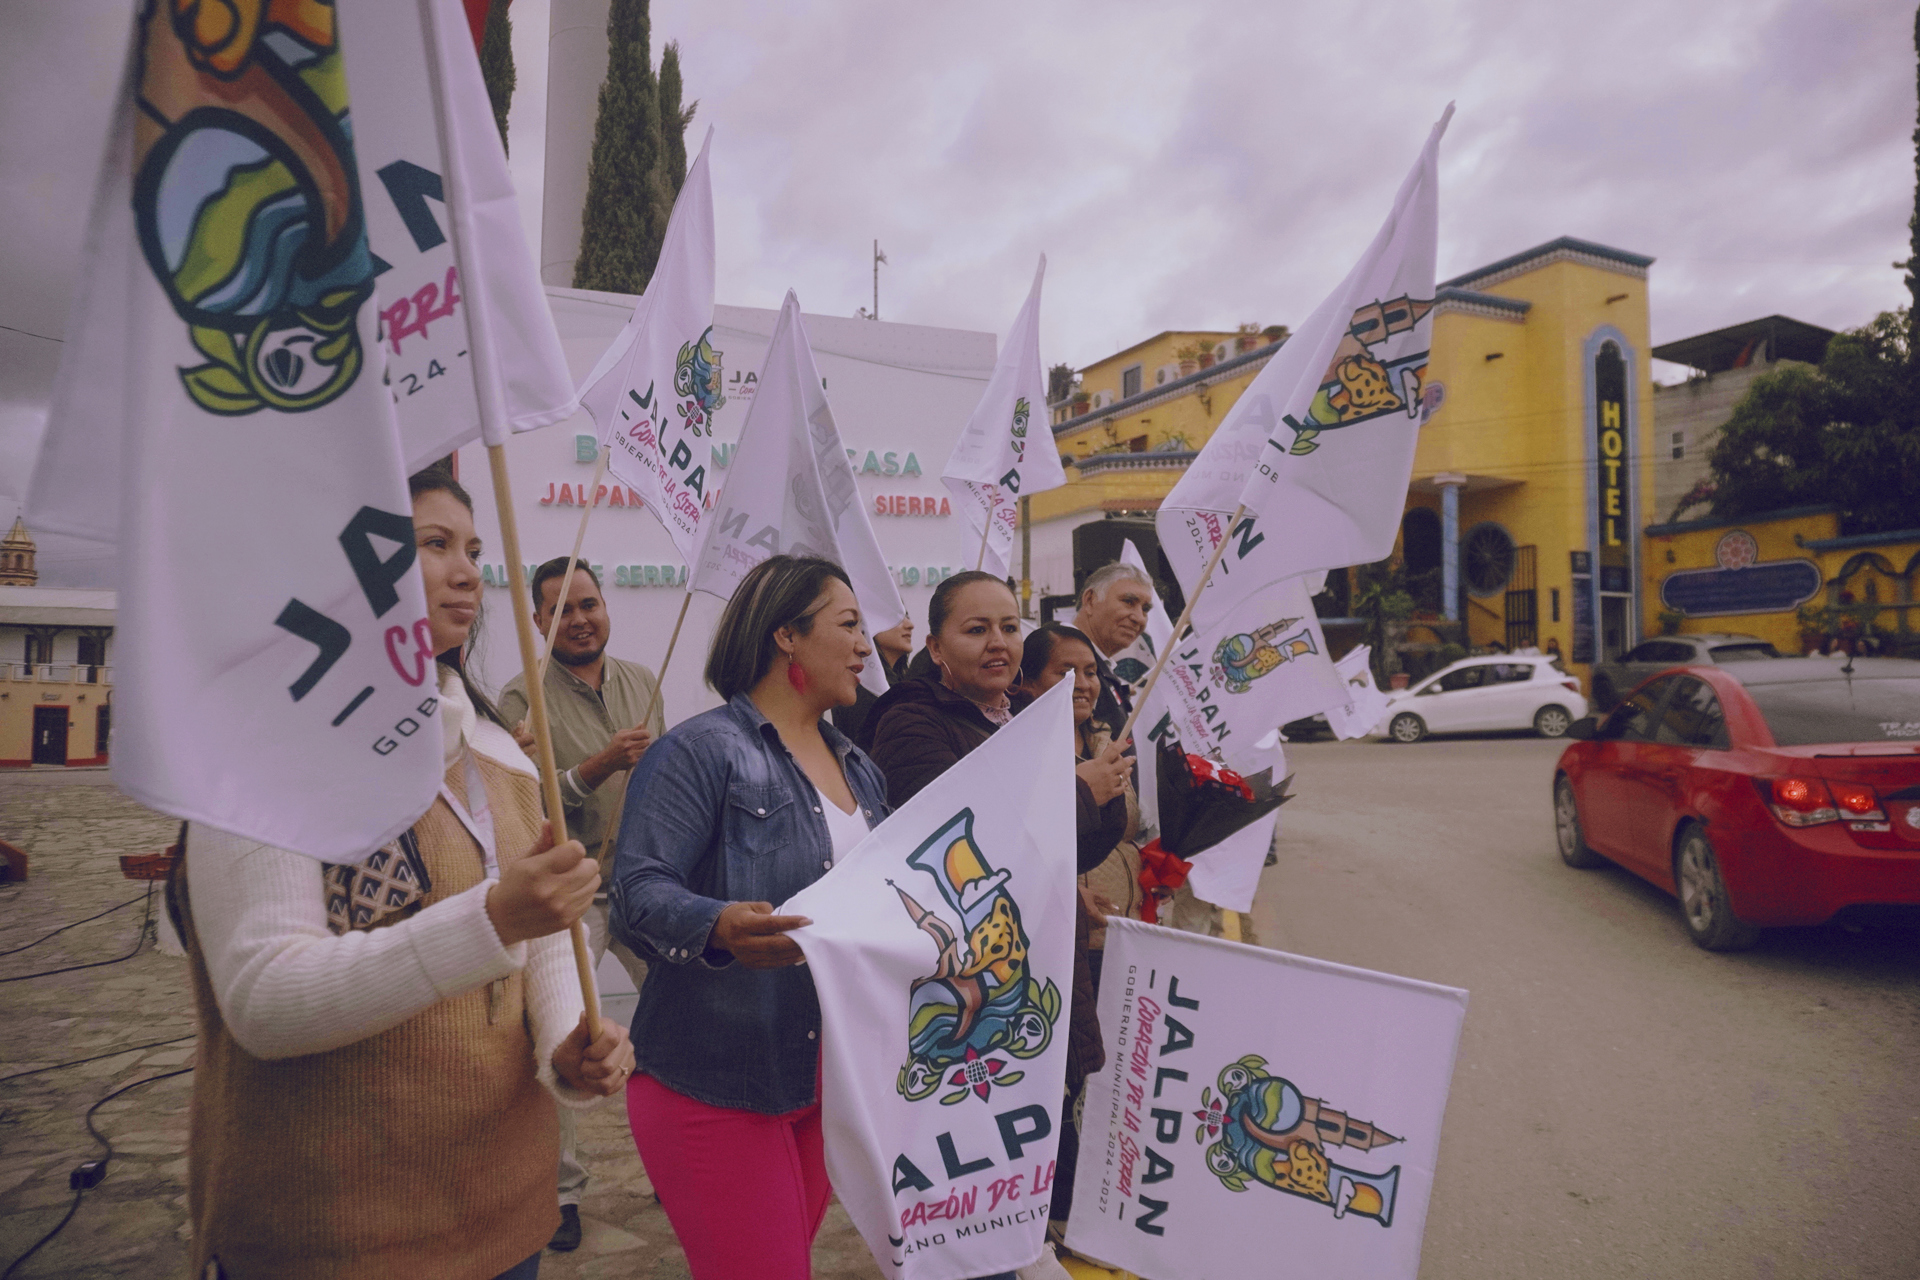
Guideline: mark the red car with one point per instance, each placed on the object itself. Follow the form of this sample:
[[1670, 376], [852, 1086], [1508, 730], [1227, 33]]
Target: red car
[[1763, 793]]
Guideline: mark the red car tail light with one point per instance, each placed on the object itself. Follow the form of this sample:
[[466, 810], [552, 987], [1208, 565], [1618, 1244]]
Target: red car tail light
[[1857, 803], [1799, 802], [1570, 685]]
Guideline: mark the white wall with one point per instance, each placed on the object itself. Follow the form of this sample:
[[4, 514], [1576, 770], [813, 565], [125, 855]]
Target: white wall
[[896, 389]]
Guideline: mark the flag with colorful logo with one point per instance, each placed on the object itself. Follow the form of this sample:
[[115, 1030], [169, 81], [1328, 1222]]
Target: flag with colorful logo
[[942, 951], [1006, 452], [790, 491], [654, 393], [1319, 448], [226, 388], [1259, 1113]]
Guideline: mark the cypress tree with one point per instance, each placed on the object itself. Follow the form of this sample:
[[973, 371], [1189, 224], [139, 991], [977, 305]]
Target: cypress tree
[[628, 199], [496, 63], [674, 119]]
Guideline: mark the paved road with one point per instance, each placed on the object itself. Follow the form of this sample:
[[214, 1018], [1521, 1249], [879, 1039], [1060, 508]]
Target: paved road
[[1624, 1104]]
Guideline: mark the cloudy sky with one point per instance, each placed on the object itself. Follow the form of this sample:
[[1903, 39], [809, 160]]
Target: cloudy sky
[[1182, 164]]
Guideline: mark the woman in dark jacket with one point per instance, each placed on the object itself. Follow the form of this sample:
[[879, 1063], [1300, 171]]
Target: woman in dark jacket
[[732, 811]]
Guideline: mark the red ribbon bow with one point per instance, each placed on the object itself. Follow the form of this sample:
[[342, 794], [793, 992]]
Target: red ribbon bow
[[1159, 870]]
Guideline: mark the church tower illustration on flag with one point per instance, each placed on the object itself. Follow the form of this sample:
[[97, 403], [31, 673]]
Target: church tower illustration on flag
[[981, 999]]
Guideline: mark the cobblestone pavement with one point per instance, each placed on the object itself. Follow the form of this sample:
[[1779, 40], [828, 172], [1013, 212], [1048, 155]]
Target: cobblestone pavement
[[133, 1226]]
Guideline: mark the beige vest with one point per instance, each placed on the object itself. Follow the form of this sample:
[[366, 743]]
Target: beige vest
[[428, 1151]]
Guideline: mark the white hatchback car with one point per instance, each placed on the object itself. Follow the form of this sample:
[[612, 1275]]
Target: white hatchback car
[[1501, 691]]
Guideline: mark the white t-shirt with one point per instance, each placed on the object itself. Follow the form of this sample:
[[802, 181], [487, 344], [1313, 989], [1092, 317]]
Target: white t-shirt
[[846, 829]]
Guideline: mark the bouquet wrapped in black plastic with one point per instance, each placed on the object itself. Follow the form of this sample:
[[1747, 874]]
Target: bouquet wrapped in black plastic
[[1201, 804]]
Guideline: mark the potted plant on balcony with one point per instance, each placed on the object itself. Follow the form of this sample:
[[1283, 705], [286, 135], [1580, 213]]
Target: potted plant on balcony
[[1081, 399], [1248, 338], [1189, 358]]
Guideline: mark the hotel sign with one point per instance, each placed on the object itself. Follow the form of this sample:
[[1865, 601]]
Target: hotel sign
[[1614, 456]]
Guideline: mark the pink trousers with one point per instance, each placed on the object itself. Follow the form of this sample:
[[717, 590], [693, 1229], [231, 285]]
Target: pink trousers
[[745, 1192]]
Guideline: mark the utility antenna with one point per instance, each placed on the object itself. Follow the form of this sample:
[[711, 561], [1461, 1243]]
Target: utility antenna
[[878, 258]]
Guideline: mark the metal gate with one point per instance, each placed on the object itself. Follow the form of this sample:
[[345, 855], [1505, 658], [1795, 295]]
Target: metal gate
[[1523, 602]]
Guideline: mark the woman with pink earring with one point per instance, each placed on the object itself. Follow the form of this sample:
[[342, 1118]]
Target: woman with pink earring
[[727, 814]]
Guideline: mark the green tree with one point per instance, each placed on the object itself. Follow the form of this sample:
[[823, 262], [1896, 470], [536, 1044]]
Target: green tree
[[674, 119], [1847, 433], [628, 197], [1382, 598], [496, 63]]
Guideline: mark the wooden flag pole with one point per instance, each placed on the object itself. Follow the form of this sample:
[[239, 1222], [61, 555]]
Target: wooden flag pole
[[537, 708], [566, 581], [659, 682], [1173, 637], [986, 528]]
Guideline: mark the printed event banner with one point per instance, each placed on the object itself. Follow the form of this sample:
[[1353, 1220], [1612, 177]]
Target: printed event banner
[[942, 951], [654, 392], [1320, 447], [790, 491], [1259, 1113], [223, 381], [467, 337], [991, 467]]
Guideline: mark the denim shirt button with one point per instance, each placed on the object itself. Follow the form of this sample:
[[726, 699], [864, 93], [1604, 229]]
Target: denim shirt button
[[761, 812], [810, 1035], [816, 808]]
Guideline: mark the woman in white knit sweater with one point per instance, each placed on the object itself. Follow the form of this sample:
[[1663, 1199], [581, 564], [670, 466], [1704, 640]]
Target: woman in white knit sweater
[[382, 1044]]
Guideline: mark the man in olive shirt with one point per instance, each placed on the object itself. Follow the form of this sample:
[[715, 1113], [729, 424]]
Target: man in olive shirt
[[604, 713]]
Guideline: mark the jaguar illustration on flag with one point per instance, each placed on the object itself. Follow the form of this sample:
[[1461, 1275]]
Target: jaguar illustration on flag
[[981, 1000], [1380, 367], [246, 199], [1267, 1131]]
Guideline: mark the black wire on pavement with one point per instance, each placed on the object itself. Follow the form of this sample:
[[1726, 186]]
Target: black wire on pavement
[[111, 1053], [63, 928], [139, 940], [90, 1174]]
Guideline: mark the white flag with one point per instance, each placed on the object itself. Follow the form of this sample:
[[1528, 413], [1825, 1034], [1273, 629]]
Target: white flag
[[654, 393], [991, 468], [1320, 446], [790, 491], [1259, 1113], [1366, 705], [223, 377], [942, 951], [469, 340]]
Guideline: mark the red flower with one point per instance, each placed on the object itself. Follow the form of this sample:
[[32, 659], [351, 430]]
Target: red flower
[[978, 1072]]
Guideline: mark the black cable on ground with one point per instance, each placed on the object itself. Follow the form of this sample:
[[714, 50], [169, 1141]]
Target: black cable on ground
[[111, 1053], [139, 940], [89, 1174], [63, 928]]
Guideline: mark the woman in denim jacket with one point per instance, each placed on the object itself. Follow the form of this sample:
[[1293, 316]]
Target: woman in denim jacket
[[728, 813]]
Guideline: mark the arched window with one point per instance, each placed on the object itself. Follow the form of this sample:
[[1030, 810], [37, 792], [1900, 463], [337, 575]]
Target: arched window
[[1420, 554]]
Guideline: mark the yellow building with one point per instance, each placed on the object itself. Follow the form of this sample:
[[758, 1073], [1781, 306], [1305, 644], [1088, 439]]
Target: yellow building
[[56, 681], [1530, 479], [1789, 577], [1532, 474]]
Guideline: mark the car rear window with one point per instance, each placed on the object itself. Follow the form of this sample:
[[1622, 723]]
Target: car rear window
[[1742, 652], [1800, 715]]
